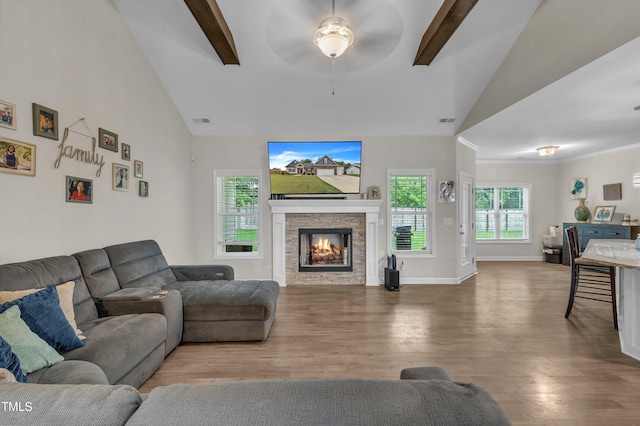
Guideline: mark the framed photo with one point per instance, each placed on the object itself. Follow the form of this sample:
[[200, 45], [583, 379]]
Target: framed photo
[[126, 152], [45, 122], [578, 188], [79, 190], [120, 177], [7, 115], [373, 192], [17, 157], [107, 140], [144, 189], [612, 191], [137, 168], [603, 214], [446, 191]]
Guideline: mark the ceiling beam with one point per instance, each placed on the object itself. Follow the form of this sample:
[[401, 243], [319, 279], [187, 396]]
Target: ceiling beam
[[445, 23], [211, 20]]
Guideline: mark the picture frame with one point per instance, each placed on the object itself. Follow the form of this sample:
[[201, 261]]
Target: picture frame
[[107, 140], [143, 188], [79, 190], [120, 177], [21, 159], [578, 188], [7, 115], [126, 151], [446, 191], [138, 169], [373, 192], [45, 122], [612, 191], [603, 214]]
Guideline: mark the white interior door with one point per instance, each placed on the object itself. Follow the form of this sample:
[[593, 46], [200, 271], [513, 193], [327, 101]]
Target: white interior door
[[467, 234]]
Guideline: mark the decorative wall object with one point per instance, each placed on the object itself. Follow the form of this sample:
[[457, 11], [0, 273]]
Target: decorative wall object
[[446, 191], [137, 168], [143, 189], [578, 188], [7, 115], [373, 192], [120, 177], [79, 190], [45, 122], [17, 157], [90, 157], [126, 152], [612, 191], [603, 214], [107, 140]]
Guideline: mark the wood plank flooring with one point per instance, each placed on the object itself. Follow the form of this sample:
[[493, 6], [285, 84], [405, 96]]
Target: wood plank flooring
[[503, 329]]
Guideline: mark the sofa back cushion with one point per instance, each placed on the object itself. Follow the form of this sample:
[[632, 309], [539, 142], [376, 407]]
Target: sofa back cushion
[[140, 264], [50, 271], [97, 272]]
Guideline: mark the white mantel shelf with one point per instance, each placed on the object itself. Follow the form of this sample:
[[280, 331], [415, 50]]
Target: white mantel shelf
[[280, 208]]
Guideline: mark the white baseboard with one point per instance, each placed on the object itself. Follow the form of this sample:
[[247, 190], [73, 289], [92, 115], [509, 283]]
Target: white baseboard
[[510, 259]]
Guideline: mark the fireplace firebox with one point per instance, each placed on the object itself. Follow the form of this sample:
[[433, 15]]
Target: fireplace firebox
[[325, 249]]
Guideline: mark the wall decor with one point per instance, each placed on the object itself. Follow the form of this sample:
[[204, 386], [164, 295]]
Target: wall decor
[[603, 214], [107, 140], [17, 157], [612, 191], [45, 122], [126, 152], [137, 168], [446, 191], [120, 177], [78, 154], [373, 192], [578, 188], [79, 190], [7, 115], [143, 190]]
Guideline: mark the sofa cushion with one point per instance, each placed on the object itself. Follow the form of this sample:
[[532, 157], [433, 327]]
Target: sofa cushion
[[321, 402], [68, 405], [70, 372], [97, 272], [140, 264], [234, 300], [10, 361], [33, 352], [42, 313], [117, 344]]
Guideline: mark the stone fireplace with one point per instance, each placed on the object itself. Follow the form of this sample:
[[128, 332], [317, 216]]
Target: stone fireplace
[[291, 216], [325, 249]]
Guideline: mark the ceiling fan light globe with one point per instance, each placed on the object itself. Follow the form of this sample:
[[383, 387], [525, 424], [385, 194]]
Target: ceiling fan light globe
[[333, 36]]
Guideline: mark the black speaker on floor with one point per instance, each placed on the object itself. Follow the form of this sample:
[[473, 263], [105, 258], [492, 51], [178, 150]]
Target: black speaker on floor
[[392, 279]]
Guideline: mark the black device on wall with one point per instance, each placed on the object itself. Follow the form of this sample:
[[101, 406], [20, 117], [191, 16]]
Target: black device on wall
[[391, 275]]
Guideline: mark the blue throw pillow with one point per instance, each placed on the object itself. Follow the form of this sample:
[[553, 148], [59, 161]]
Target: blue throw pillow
[[10, 361], [42, 313]]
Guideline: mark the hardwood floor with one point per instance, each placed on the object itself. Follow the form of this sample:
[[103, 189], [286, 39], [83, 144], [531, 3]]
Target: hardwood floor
[[503, 329]]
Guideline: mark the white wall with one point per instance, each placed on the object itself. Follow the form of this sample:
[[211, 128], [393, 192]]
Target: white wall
[[80, 59], [379, 154]]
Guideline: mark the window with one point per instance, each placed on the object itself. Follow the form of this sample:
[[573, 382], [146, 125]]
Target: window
[[237, 220], [502, 212], [410, 211]]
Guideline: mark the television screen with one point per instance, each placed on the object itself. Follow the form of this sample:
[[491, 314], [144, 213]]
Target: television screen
[[301, 168]]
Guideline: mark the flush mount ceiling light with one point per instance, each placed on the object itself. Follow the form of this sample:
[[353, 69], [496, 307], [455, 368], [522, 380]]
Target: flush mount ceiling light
[[547, 151], [333, 36]]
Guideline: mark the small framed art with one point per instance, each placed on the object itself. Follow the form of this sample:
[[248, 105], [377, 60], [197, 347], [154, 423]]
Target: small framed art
[[126, 152], [79, 190], [45, 122], [120, 177], [137, 169], [17, 157], [373, 192], [446, 191], [603, 214], [612, 191], [7, 115], [107, 140], [143, 189]]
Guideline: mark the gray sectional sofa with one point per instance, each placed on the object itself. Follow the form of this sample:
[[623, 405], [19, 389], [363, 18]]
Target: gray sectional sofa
[[133, 309], [423, 396]]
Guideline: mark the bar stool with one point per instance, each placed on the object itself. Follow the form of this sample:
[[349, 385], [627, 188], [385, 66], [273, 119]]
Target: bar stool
[[589, 280]]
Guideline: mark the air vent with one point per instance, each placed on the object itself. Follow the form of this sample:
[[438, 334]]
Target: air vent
[[202, 120], [447, 120]]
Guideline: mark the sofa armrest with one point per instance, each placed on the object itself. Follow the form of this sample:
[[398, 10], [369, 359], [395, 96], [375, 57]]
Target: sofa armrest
[[424, 373], [202, 272]]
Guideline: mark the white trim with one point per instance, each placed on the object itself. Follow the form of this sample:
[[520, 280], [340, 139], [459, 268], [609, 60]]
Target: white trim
[[510, 259], [465, 142]]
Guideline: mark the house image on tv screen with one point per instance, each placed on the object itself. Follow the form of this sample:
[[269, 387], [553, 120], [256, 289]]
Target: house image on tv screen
[[324, 166]]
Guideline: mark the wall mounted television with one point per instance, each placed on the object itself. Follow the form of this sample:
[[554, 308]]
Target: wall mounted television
[[314, 168]]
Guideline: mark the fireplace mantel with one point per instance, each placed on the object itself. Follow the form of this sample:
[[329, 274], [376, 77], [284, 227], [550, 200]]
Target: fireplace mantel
[[280, 208]]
